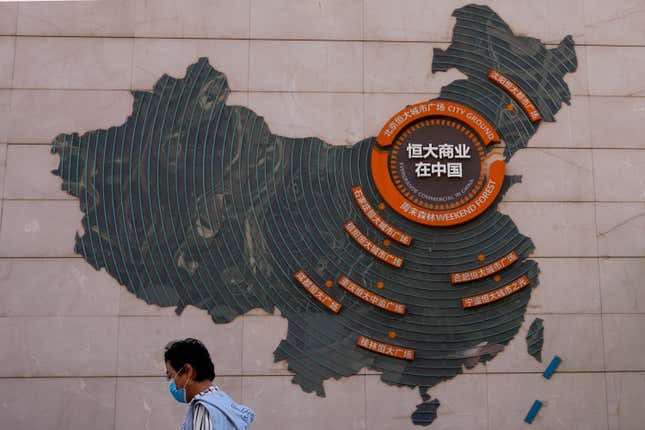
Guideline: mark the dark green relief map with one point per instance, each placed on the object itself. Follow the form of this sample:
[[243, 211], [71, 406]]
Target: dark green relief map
[[194, 202]]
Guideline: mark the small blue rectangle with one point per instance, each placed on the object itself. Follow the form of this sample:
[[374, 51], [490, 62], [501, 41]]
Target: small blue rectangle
[[552, 366], [533, 412]]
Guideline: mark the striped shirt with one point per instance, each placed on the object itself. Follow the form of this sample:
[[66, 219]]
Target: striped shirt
[[201, 417]]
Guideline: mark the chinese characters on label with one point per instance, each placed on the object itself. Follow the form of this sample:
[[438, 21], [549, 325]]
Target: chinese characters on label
[[487, 270], [500, 293], [385, 349], [375, 219], [318, 293], [514, 91], [371, 247], [445, 151], [436, 107], [369, 297], [408, 114]]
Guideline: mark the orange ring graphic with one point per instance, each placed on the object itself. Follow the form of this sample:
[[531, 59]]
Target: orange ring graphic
[[473, 208]]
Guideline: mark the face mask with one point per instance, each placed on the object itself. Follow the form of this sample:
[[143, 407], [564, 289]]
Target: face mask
[[178, 394]]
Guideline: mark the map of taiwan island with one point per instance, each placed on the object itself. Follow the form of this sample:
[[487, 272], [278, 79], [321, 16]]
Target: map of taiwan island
[[194, 202]]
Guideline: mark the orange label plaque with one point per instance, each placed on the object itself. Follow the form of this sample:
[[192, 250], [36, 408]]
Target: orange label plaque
[[518, 95], [371, 298], [497, 294], [378, 222], [443, 108], [487, 270], [318, 293], [371, 247], [385, 349]]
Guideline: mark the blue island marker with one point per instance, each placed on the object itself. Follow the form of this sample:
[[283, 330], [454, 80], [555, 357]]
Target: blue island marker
[[552, 366], [533, 412]]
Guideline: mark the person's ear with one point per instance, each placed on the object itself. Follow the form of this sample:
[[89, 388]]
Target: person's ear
[[190, 372]]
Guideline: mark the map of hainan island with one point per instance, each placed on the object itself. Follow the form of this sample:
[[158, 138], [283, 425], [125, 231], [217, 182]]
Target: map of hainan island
[[194, 202]]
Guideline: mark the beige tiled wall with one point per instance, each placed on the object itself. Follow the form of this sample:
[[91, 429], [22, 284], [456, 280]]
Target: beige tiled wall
[[154, 57], [79, 351]]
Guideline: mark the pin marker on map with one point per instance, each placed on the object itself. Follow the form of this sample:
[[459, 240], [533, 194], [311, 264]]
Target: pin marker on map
[[533, 412], [552, 366]]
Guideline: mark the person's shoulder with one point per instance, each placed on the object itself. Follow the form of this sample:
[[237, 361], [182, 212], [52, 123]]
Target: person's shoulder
[[217, 418], [204, 400]]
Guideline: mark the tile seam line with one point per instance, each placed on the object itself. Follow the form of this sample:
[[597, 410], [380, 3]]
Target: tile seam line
[[290, 375], [13, 73], [73, 198], [294, 39], [15, 33], [604, 257], [597, 239], [557, 257], [116, 365], [582, 148], [488, 412], [172, 316], [529, 312], [364, 128], [421, 92]]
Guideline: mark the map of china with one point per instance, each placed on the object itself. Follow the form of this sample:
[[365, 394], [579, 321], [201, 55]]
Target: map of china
[[194, 202]]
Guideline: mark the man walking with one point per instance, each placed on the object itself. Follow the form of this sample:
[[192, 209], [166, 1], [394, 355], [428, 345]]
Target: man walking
[[191, 372]]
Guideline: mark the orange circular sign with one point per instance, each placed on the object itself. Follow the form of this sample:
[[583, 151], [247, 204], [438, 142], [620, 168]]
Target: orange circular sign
[[431, 164]]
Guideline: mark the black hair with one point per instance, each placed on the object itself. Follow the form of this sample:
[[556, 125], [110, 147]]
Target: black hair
[[193, 352]]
